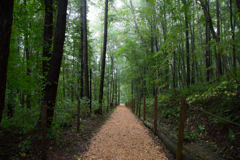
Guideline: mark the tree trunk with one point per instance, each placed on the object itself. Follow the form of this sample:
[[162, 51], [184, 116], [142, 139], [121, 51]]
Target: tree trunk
[[81, 56], [11, 101], [174, 68], [95, 85], [64, 95], [47, 35], [217, 39], [6, 8], [164, 28], [112, 79], [73, 75], [219, 61], [116, 89], [103, 55], [207, 54], [200, 34], [90, 91], [85, 48], [56, 59], [233, 37], [187, 44], [193, 54], [26, 48]]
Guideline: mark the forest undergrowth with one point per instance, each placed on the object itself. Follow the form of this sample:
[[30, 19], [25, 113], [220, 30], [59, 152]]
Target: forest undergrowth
[[63, 140], [220, 98]]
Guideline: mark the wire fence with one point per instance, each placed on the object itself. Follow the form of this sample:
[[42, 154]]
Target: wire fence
[[213, 115], [168, 119]]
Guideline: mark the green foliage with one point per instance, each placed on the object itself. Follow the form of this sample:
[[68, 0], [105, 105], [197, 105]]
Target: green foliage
[[64, 113], [26, 144], [231, 135], [190, 136]]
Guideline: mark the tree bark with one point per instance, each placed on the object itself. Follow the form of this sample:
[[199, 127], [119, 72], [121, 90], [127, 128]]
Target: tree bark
[[103, 55], [207, 53], [81, 55], [193, 54], [6, 8], [26, 48], [174, 68], [56, 59], [85, 48], [112, 79], [187, 44], [219, 62], [200, 34], [47, 35], [217, 39], [233, 37]]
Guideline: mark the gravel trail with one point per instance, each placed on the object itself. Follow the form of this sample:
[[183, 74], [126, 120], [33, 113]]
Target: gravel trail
[[124, 137]]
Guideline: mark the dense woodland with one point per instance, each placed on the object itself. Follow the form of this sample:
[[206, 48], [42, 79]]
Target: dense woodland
[[113, 51]]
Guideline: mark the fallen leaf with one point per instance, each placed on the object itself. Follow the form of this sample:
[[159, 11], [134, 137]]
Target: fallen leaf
[[124, 152], [207, 157], [50, 148], [23, 154]]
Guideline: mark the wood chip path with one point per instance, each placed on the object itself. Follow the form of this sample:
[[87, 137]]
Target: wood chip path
[[124, 137]]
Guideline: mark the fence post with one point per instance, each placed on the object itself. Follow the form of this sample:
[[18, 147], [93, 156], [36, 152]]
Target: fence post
[[139, 108], [143, 109], [134, 105], [155, 115], [78, 115], [181, 128], [44, 130], [107, 107]]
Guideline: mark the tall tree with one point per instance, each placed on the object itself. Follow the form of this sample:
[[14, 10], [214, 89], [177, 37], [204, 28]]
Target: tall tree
[[47, 42], [85, 47], [187, 42], [233, 37], [218, 34], [26, 48], [103, 55], [209, 22], [200, 33], [47, 35], [56, 59], [6, 8], [81, 52]]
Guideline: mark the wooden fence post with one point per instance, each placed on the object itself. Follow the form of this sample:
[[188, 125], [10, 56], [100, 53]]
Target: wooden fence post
[[181, 128], [134, 105], [155, 115], [44, 130], [78, 115], [143, 109], [139, 111], [137, 107]]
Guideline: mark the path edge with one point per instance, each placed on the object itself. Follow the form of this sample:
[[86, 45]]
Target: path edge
[[171, 145]]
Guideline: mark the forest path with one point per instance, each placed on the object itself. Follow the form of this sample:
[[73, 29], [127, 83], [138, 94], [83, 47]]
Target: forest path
[[122, 137]]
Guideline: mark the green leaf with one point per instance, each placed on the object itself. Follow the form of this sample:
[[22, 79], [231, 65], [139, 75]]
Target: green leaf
[[231, 135], [152, 2]]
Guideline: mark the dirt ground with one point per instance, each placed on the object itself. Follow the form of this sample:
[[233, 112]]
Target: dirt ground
[[119, 136], [122, 137]]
